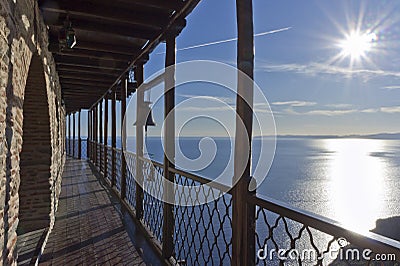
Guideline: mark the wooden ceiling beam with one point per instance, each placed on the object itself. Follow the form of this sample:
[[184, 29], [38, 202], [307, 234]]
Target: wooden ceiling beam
[[102, 27], [85, 65], [85, 77], [101, 47], [109, 12], [92, 63], [164, 4], [76, 52], [88, 70], [67, 81]]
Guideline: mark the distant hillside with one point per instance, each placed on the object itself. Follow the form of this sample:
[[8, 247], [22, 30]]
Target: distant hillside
[[371, 136]]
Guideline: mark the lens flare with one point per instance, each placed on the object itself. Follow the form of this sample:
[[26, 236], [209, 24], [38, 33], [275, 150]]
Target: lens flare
[[357, 45]]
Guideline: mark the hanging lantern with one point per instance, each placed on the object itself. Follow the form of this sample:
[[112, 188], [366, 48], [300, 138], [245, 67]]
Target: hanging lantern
[[66, 36]]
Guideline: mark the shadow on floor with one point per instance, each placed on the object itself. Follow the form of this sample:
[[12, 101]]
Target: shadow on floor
[[92, 227]]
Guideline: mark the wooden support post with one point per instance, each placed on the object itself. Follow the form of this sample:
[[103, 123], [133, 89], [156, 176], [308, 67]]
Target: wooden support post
[[79, 136], [113, 135], [97, 135], [105, 136], [169, 146], [91, 134], [124, 92], [139, 76], [69, 134], [73, 135], [100, 105], [243, 213], [96, 127], [88, 154]]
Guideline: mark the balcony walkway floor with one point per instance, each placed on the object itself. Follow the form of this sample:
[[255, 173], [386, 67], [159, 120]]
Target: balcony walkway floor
[[92, 228]]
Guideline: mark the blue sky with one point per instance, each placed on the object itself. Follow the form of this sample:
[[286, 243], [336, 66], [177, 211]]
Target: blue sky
[[312, 88]]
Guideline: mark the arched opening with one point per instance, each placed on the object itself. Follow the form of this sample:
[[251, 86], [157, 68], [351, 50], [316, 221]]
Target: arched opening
[[35, 163]]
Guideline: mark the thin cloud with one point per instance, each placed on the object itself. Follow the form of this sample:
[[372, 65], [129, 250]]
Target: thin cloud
[[331, 112], [391, 109], [370, 110], [295, 103], [396, 87], [314, 69], [229, 40], [227, 100], [339, 105]]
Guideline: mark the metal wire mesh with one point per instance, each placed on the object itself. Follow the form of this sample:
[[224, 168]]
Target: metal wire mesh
[[152, 206], [130, 178], [83, 149], [282, 241], [109, 163], [118, 172], [98, 161], [203, 233]]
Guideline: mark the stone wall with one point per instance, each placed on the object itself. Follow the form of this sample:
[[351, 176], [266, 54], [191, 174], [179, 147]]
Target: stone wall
[[23, 36]]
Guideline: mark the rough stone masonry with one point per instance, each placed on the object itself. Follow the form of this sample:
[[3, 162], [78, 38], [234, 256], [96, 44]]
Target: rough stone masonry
[[32, 128]]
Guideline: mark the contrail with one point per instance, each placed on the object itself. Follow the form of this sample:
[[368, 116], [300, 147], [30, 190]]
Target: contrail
[[229, 40]]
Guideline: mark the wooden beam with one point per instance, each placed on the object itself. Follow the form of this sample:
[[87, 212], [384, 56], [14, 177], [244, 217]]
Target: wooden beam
[[96, 42], [88, 152], [124, 88], [69, 134], [101, 13], [162, 4], [105, 141], [65, 81], [87, 70], [113, 136], [169, 145], [84, 76], [108, 48], [100, 106], [243, 212], [90, 62], [122, 32], [96, 131], [139, 77], [73, 134], [79, 136], [93, 54], [79, 97]]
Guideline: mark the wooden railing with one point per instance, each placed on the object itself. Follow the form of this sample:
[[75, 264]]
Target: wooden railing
[[76, 148], [203, 233]]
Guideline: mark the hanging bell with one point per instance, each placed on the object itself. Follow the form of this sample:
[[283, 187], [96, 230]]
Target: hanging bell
[[149, 120]]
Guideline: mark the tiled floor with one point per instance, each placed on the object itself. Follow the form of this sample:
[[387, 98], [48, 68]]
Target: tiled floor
[[91, 226]]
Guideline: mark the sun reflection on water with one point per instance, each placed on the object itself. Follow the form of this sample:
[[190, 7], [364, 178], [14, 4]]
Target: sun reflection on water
[[357, 184]]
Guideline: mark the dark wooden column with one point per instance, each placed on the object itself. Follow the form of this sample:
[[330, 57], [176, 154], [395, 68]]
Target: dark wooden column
[[169, 146], [139, 140], [105, 135], [92, 135], [69, 134], [79, 136], [89, 139], [113, 134], [100, 105], [243, 213], [96, 127], [124, 88], [73, 134]]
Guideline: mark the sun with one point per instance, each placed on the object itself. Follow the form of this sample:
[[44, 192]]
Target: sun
[[356, 45]]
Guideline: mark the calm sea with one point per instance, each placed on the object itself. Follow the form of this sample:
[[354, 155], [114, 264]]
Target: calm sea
[[354, 181]]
